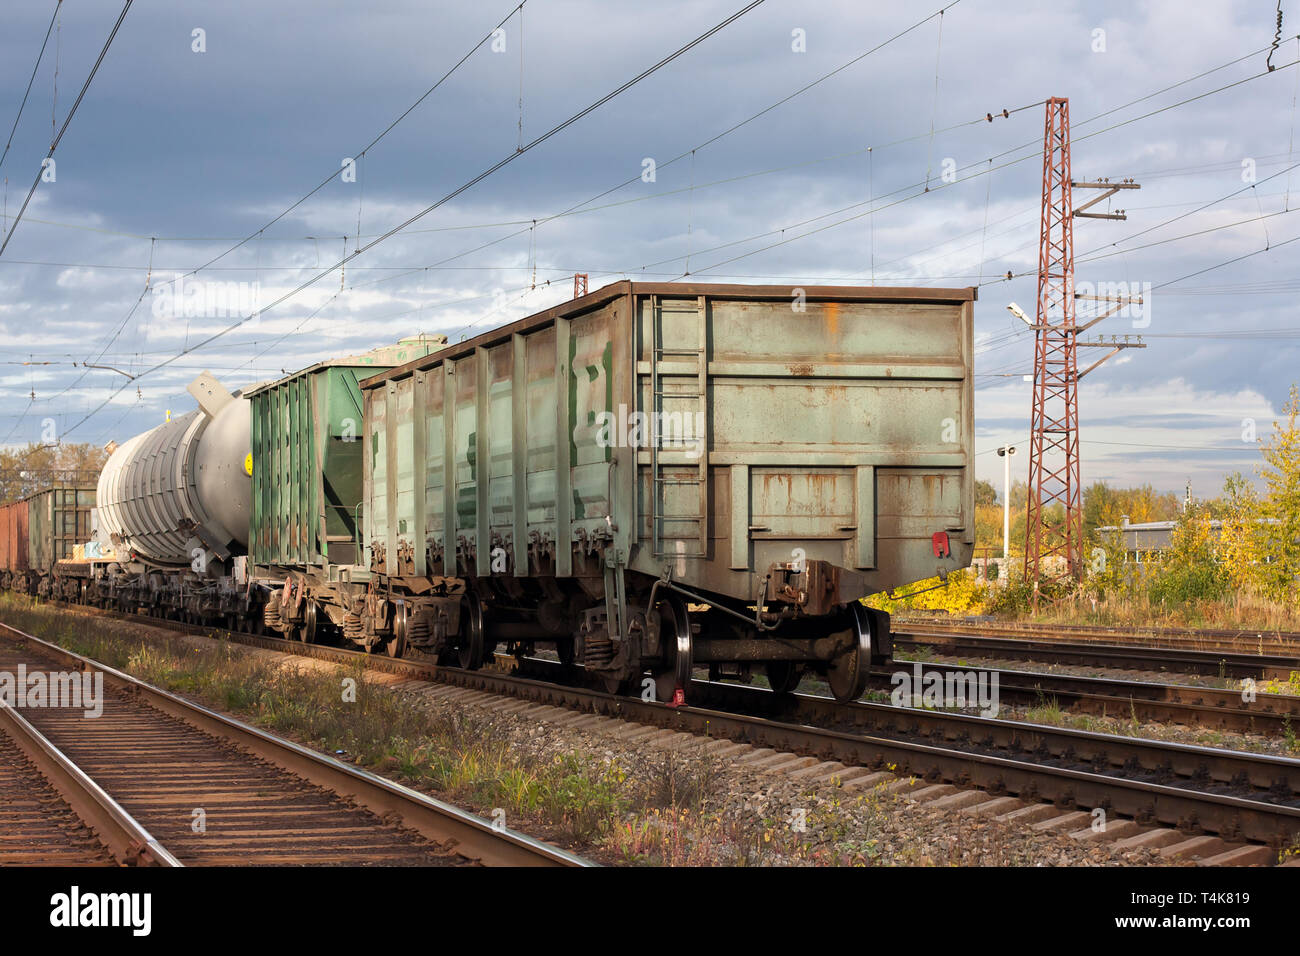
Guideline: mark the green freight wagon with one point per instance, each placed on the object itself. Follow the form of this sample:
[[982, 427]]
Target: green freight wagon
[[306, 467], [654, 477], [57, 520]]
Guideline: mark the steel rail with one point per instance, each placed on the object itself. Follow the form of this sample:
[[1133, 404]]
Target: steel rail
[[124, 837], [1119, 656], [1149, 636], [1216, 707]]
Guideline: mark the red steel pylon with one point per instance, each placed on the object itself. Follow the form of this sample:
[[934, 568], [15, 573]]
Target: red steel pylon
[[1052, 545], [579, 284]]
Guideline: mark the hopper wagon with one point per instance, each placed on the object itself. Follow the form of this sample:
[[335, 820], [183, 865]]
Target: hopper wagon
[[657, 477]]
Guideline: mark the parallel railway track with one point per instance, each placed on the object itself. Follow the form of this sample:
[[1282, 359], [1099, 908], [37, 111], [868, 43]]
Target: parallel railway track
[[1279, 643], [1233, 795], [1173, 660], [1210, 707], [212, 790]]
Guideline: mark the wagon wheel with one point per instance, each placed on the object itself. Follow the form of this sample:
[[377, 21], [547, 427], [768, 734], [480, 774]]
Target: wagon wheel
[[847, 673], [395, 646], [566, 650], [470, 640], [784, 676], [678, 653], [307, 632], [617, 684]]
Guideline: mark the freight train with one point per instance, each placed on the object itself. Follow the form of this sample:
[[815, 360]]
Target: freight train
[[645, 480]]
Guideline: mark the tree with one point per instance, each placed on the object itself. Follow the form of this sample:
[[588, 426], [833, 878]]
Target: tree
[[985, 494], [25, 471], [1281, 501], [1241, 537], [1190, 569]]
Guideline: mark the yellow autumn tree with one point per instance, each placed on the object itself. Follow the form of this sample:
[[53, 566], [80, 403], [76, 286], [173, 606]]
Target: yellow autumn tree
[[1241, 541], [1281, 503]]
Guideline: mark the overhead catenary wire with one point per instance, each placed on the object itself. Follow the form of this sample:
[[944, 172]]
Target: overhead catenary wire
[[469, 184], [928, 191], [356, 267], [578, 207], [116, 332], [66, 121], [35, 67], [386, 130]]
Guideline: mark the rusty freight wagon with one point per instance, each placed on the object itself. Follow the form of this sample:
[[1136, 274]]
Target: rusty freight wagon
[[655, 477], [14, 559], [39, 532]]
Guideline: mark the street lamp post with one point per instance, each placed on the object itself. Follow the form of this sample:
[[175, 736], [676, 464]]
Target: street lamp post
[[1005, 452]]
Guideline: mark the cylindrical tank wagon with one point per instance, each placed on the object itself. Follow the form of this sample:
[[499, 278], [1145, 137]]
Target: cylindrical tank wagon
[[183, 488], [174, 510]]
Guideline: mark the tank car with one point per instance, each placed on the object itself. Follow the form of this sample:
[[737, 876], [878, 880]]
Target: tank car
[[173, 510]]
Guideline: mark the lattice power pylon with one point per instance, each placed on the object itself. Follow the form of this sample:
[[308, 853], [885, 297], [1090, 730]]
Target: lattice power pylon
[[1053, 544], [1052, 549]]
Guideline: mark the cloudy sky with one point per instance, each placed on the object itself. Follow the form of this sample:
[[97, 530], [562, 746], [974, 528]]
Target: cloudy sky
[[175, 155]]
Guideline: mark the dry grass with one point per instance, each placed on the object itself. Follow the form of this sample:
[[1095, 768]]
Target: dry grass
[[462, 756], [1240, 611]]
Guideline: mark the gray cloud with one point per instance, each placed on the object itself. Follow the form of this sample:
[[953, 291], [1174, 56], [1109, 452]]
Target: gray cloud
[[177, 145]]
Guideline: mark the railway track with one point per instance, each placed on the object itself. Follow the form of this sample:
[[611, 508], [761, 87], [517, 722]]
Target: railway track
[[1211, 663], [163, 780], [1210, 707], [1228, 796], [38, 824], [1279, 643]]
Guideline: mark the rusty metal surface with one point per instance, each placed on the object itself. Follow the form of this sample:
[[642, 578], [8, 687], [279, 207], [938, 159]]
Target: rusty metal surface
[[1190, 638], [307, 435], [58, 520], [616, 290], [1218, 708], [14, 545], [841, 429], [163, 772], [128, 841], [1092, 654]]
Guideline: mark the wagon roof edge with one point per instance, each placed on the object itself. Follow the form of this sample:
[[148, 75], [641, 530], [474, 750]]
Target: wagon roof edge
[[625, 287]]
